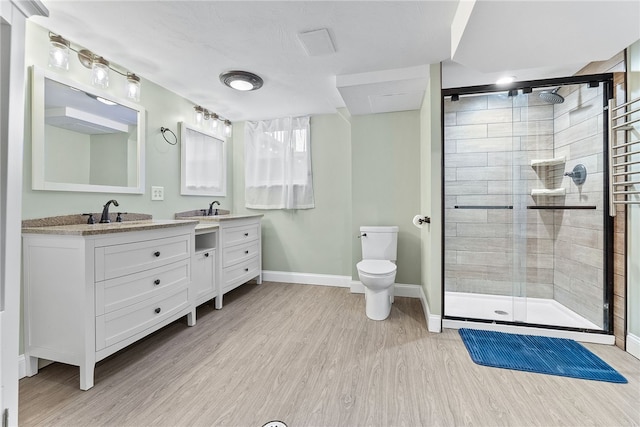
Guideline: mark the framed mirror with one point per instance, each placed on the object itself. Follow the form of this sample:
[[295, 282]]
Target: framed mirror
[[203, 166], [84, 139]]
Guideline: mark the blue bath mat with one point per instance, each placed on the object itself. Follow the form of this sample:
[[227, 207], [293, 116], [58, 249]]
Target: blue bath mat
[[553, 356]]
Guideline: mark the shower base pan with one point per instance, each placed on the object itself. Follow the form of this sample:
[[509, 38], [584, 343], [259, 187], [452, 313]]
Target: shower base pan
[[537, 311]]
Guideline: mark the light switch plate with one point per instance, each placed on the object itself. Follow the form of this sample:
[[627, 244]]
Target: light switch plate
[[157, 193]]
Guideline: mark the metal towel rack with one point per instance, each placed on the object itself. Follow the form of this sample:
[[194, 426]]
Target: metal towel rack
[[623, 153]]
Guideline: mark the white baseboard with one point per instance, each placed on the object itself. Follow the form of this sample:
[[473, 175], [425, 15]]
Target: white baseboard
[[633, 345], [306, 278], [434, 321]]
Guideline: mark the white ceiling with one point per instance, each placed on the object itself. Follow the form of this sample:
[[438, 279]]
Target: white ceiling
[[184, 46]]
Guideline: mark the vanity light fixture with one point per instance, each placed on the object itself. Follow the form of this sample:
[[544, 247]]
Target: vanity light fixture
[[199, 114], [99, 66], [133, 87], [214, 122], [241, 80], [100, 72], [202, 116], [58, 52]]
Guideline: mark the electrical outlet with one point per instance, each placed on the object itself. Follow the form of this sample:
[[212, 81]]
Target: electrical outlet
[[157, 193]]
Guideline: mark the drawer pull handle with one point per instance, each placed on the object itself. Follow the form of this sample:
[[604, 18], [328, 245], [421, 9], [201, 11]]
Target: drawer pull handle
[[246, 234], [206, 255], [156, 253], [158, 310], [246, 252], [157, 281], [246, 269]]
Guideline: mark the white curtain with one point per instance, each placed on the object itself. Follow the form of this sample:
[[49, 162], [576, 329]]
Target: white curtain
[[277, 167]]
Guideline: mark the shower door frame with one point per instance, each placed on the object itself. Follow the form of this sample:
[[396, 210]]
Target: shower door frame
[[606, 79]]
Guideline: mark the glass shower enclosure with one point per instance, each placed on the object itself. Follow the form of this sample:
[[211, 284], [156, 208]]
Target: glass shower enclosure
[[527, 236]]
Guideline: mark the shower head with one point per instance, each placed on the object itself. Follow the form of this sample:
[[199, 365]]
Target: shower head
[[552, 97]]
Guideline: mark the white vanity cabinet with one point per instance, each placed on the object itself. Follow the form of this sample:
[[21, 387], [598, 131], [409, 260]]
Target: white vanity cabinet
[[241, 253], [203, 265], [88, 296]]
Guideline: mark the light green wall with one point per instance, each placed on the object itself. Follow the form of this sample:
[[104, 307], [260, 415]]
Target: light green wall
[[310, 240], [366, 171], [385, 159], [431, 191], [109, 162], [633, 218], [59, 166], [163, 109]]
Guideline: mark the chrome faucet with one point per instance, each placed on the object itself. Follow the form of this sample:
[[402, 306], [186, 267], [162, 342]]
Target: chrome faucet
[[105, 211], [210, 212]]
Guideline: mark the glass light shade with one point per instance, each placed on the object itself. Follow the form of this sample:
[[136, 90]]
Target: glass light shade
[[133, 87], [214, 122], [59, 53], [242, 85], [227, 128], [199, 115], [100, 73]]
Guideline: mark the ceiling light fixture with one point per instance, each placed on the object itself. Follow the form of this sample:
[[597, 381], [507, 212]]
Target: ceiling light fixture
[[241, 80], [100, 67]]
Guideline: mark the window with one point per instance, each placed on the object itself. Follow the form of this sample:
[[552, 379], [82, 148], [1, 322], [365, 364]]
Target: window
[[204, 163], [278, 164]]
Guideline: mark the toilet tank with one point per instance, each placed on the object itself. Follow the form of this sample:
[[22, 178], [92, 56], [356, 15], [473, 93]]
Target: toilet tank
[[379, 242]]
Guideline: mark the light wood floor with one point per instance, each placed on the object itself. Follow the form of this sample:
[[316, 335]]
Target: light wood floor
[[308, 356]]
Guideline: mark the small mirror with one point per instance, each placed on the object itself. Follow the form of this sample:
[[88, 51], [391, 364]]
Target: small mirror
[[84, 139], [203, 163]]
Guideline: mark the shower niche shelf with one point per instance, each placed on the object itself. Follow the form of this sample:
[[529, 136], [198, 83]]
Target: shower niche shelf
[[537, 163], [552, 192]]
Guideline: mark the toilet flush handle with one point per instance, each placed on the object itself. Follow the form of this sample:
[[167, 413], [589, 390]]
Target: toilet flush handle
[[362, 235]]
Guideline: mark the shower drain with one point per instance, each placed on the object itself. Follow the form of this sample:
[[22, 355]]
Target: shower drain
[[501, 312]]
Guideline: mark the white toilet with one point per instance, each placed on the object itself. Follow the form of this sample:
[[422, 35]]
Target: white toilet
[[377, 270]]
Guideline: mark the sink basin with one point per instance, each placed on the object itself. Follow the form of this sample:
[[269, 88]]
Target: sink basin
[[199, 213]]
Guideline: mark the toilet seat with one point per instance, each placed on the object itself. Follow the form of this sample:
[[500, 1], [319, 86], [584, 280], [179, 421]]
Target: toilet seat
[[376, 267]]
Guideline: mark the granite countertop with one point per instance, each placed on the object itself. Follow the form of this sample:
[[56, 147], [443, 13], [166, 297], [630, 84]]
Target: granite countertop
[[218, 218], [206, 226], [96, 229]]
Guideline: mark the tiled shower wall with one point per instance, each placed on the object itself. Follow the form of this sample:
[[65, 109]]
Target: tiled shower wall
[[490, 141]]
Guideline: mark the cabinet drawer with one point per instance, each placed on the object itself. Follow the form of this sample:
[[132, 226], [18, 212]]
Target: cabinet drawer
[[119, 260], [124, 291], [239, 253], [119, 325], [235, 235], [238, 274]]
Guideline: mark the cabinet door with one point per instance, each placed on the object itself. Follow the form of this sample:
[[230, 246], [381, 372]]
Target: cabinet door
[[203, 275]]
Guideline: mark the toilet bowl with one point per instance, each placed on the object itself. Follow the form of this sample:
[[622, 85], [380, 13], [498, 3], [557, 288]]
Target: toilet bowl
[[378, 277], [377, 270]]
